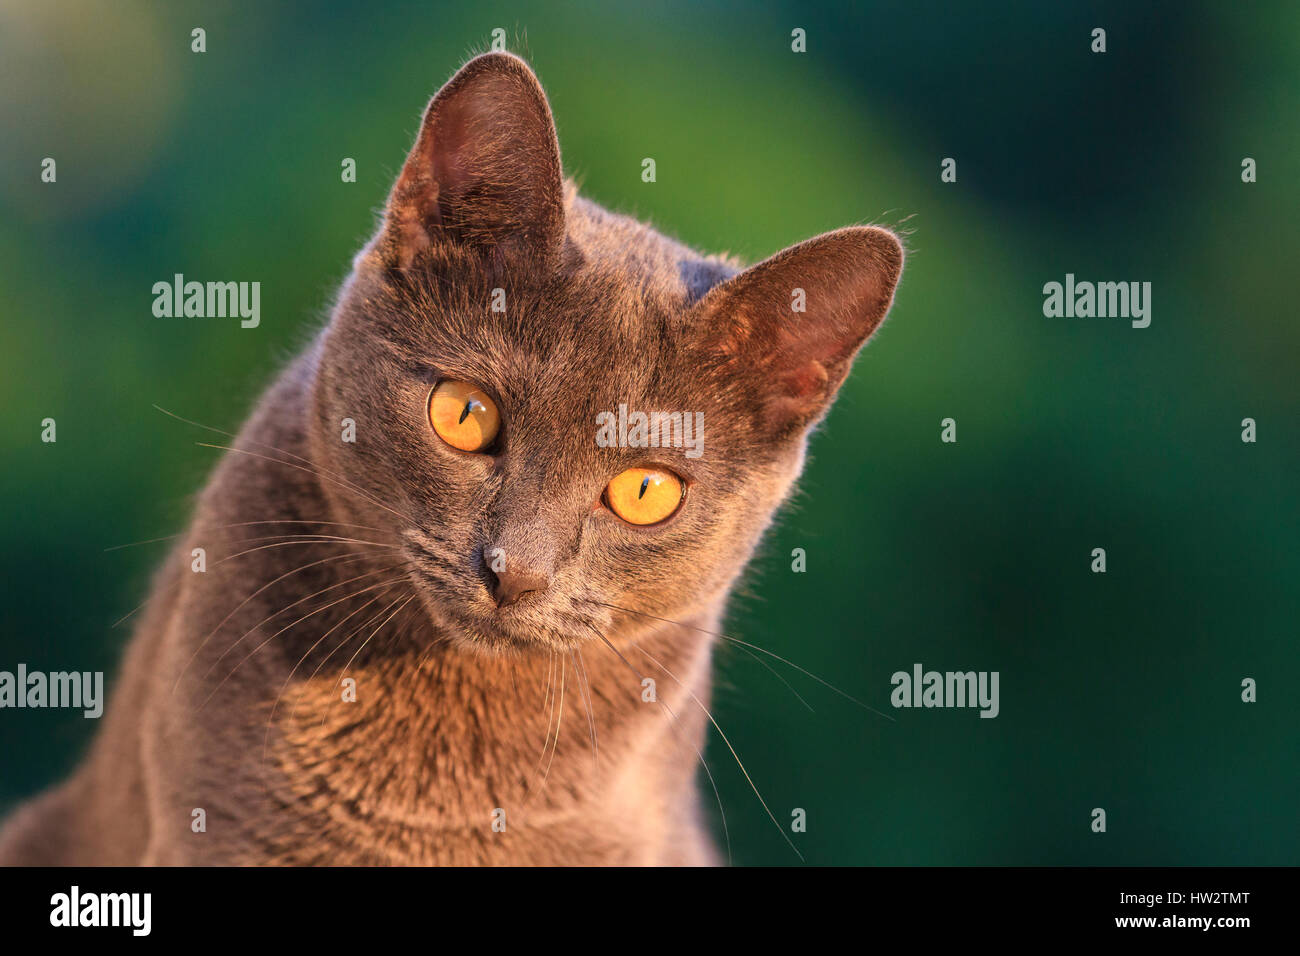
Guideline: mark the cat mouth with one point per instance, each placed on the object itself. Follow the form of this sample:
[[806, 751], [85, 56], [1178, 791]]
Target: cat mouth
[[474, 619]]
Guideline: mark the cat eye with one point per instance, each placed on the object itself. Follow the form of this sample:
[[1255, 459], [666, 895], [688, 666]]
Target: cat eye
[[645, 495], [463, 416]]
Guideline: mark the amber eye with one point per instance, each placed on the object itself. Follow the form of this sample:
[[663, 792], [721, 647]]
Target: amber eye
[[644, 495], [463, 416]]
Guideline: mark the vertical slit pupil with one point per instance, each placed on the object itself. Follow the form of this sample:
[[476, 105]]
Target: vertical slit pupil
[[645, 483], [469, 405]]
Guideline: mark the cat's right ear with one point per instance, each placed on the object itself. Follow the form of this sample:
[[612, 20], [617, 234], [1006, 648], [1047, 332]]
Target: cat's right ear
[[484, 175]]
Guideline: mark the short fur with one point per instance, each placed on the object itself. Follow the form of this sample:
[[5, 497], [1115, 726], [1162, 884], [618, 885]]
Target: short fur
[[370, 561]]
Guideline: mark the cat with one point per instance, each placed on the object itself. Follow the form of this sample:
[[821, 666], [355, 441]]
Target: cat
[[393, 628]]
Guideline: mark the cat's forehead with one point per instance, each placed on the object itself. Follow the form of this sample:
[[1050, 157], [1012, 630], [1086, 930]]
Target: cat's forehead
[[615, 322], [566, 350], [638, 260]]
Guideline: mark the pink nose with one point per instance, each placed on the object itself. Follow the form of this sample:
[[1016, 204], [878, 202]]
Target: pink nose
[[509, 585]]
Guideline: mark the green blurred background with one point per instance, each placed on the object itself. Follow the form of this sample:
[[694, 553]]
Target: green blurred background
[[1119, 691]]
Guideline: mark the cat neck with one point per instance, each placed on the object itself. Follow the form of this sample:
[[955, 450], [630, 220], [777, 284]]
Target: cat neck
[[457, 742]]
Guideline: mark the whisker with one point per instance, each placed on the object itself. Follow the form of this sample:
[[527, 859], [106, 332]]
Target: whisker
[[300, 600], [352, 556], [241, 524], [346, 597], [548, 700], [726, 741], [288, 464], [271, 719], [586, 693], [343, 673], [761, 650], [772, 670], [674, 725], [317, 470], [427, 654], [559, 717], [307, 535], [179, 581], [343, 643]]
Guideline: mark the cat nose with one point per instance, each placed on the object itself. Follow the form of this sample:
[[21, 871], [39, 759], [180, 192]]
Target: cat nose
[[510, 584]]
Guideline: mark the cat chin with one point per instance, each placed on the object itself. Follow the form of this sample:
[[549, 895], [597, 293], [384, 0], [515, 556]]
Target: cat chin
[[498, 645], [494, 633], [492, 642]]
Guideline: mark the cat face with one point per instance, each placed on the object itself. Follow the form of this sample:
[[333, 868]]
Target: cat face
[[564, 411]]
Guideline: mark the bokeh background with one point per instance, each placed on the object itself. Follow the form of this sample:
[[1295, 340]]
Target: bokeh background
[[1119, 691]]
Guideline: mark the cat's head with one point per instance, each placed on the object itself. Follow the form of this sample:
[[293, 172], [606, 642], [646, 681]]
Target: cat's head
[[500, 339]]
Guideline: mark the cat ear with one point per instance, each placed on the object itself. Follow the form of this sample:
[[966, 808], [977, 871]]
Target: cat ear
[[791, 325], [485, 171]]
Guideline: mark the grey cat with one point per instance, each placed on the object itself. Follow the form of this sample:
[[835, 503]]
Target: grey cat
[[476, 634]]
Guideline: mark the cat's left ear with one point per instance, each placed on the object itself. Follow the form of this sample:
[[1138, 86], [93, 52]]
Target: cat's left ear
[[790, 327], [485, 172]]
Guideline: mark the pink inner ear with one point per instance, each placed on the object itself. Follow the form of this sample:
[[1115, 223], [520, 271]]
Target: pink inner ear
[[805, 380], [796, 349], [797, 360], [469, 139], [449, 148], [805, 371], [485, 172]]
